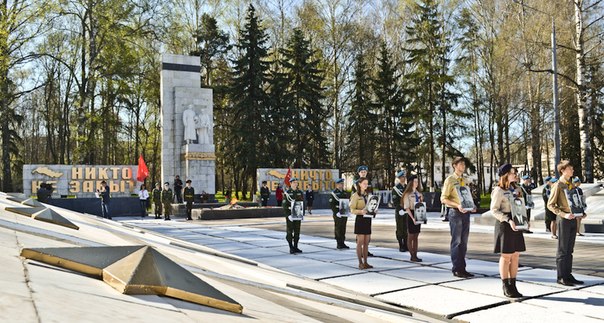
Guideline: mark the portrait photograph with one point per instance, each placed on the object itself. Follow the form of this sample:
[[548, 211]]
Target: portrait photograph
[[465, 196], [373, 203], [575, 202], [419, 213], [297, 208], [518, 213], [344, 208]]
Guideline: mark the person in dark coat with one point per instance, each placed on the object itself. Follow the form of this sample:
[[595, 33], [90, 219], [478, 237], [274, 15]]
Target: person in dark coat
[[178, 189], [105, 196], [310, 199], [265, 194], [189, 195]]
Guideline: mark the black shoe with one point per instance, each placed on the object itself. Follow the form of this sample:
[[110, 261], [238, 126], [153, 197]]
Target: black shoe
[[344, 246], [167, 219], [513, 289], [339, 246], [565, 282], [575, 281], [468, 274], [528, 231], [369, 254], [507, 291], [460, 274]]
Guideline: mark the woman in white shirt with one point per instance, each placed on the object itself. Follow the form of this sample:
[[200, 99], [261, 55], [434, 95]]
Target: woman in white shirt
[[143, 197]]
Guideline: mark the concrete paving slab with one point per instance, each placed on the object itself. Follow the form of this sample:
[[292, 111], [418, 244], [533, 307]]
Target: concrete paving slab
[[438, 299], [599, 289], [321, 270], [233, 246], [257, 253], [424, 274], [267, 242], [492, 286], [523, 313], [283, 260], [306, 248], [312, 239], [481, 267], [332, 255], [371, 283], [549, 277], [379, 264], [577, 302], [428, 258]]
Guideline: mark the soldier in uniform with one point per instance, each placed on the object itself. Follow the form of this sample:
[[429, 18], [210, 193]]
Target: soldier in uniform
[[339, 220], [527, 187], [156, 197], [399, 213], [166, 198], [292, 227], [189, 196]]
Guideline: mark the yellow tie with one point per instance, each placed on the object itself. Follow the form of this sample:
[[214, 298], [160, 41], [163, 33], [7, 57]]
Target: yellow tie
[[461, 183]]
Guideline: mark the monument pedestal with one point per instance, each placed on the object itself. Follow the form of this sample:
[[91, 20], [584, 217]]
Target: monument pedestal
[[199, 165]]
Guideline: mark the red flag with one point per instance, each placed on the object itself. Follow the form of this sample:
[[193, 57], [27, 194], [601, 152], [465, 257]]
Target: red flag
[[143, 171], [288, 176]]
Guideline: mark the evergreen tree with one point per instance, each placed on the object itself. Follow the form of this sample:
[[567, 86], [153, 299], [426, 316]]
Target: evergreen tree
[[431, 97], [397, 140], [211, 43], [281, 118], [249, 130], [309, 115], [361, 124]]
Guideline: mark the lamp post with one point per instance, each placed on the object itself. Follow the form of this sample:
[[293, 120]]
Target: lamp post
[[554, 85]]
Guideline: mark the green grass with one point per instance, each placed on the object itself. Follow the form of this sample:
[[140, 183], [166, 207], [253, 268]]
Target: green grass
[[485, 200]]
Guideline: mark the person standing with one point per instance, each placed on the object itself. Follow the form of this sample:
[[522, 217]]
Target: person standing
[[143, 198], [189, 196], [577, 184], [509, 242], [105, 196], [156, 197], [279, 195], [42, 193], [362, 224], [310, 198], [459, 219], [411, 196], [292, 236], [339, 219], [265, 194], [550, 217], [178, 189], [399, 212], [567, 224], [527, 188], [362, 172], [167, 197]]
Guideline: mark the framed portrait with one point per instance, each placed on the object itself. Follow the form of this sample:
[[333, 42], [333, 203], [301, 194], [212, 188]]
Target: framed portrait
[[518, 212], [465, 196], [420, 212], [575, 202], [372, 205], [297, 211], [344, 208]]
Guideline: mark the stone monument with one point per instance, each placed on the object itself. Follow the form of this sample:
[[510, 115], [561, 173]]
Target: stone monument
[[187, 121]]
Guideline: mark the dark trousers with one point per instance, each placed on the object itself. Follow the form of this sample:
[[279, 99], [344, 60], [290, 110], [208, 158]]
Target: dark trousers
[[292, 231], [189, 207], [167, 209], [340, 228], [567, 233], [143, 207], [528, 215], [401, 225], [178, 194], [265, 201], [459, 223], [279, 202], [105, 210], [157, 210]]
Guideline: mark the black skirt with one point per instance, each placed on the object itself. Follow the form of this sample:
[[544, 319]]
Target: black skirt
[[412, 228], [508, 240], [549, 215], [362, 225]]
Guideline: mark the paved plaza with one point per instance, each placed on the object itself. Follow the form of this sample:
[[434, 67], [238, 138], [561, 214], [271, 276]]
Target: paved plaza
[[428, 288]]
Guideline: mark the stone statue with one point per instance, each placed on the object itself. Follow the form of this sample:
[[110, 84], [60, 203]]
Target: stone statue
[[204, 125], [188, 118]]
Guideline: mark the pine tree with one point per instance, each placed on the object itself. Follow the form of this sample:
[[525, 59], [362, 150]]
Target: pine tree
[[211, 43], [306, 95], [361, 124], [397, 140], [249, 131], [281, 117]]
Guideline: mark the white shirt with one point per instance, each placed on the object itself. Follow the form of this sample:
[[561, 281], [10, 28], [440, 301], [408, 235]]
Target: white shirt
[[143, 195]]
